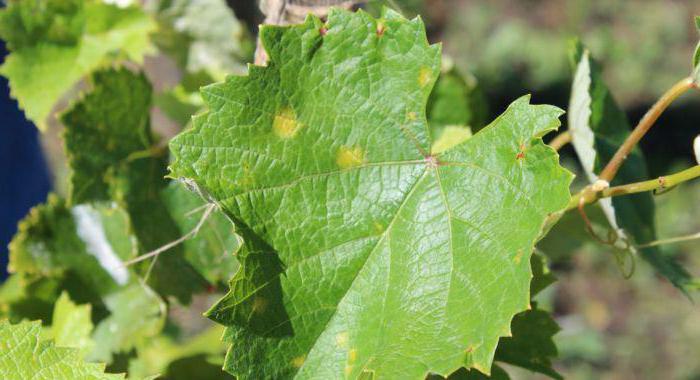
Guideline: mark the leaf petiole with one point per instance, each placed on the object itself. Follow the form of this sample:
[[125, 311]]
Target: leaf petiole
[[560, 140], [588, 195]]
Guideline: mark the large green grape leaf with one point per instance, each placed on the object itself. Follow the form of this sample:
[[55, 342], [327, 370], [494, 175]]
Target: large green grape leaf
[[211, 252], [598, 127], [112, 156], [531, 345], [23, 355], [54, 43], [363, 254]]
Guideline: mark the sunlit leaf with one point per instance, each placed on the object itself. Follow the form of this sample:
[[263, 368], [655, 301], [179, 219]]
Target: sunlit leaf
[[362, 249], [24, 356]]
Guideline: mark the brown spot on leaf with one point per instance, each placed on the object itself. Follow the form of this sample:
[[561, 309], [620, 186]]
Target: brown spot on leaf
[[381, 28]]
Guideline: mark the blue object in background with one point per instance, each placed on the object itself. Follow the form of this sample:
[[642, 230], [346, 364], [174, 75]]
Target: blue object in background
[[24, 178]]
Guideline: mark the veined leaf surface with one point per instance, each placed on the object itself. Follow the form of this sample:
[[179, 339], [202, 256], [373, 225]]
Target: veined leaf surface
[[365, 255], [23, 355]]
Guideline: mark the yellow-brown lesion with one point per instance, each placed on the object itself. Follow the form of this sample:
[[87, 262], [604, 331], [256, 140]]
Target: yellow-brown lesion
[[259, 305], [298, 361], [425, 76], [349, 157], [286, 125]]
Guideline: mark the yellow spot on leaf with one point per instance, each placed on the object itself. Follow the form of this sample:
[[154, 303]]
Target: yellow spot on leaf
[[341, 339], [348, 370], [411, 116], [259, 304], [298, 361], [425, 76], [247, 179], [352, 356], [380, 29], [451, 136], [285, 124], [349, 157], [518, 256], [378, 228]]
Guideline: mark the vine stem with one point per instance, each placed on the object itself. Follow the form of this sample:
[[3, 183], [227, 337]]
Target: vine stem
[[661, 183], [643, 127], [173, 243], [677, 239], [560, 140]]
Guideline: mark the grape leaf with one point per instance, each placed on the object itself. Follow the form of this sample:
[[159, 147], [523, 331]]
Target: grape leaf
[[90, 241], [87, 240], [112, 156], [178, 104], [598, 127], [202, 35], [64, 40], [456, 100], [497, 373], [181, 360], [71, 324], [531, 345], [211, 252], [24, 356], [137, 315], [22, 299], [105, 128], [542, 277], [361, 249]]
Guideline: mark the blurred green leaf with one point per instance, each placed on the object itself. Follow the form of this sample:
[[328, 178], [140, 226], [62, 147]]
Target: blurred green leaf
[[531, 346], [137, 315], [175, 359], [88, 240], [55, 43], [113, 156], [203, 35], [211, 252], [456, 101], [71, 325]]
